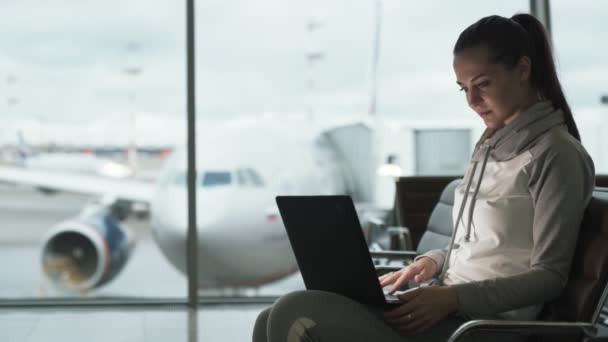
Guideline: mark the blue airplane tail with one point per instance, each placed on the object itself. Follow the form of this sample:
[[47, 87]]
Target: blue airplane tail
[[23, 149]]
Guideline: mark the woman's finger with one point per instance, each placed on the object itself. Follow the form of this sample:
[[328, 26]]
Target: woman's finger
[[401, 311], [410, 294], [386, 276], [422, 275], [405, 276], [390, 279], [399, 317]]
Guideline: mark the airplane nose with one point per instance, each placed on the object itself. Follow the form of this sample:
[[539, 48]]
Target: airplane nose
[[170, 222], [232, 227], [170, 208]]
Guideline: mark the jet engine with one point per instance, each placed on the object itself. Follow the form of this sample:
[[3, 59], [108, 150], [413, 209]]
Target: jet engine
[[87, 251]]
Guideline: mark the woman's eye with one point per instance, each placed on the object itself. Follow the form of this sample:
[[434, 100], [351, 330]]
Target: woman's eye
[[483, 84], [463, 89]]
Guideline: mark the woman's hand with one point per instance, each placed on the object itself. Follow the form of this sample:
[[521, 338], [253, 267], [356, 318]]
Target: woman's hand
[[422, 308], [421, 270]]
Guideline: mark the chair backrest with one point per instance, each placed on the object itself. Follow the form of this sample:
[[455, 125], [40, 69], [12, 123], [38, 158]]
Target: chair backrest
[[601, 181], [415, 199], [585, 291], [439, 228]]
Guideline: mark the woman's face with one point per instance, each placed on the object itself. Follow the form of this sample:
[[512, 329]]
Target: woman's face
[[494, 92]]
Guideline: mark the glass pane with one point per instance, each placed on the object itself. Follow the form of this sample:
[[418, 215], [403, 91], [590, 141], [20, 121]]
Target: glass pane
[[92, 106], [284, 89], [579, 32], [442, 152]]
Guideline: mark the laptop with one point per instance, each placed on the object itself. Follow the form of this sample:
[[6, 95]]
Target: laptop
[[330, 249]]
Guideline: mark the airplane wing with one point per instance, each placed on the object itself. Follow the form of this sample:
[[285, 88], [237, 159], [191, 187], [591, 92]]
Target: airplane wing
[[127, 189]]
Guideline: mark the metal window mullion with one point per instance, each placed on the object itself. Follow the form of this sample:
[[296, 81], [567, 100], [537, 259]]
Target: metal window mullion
[[540, 9], [192, 236]]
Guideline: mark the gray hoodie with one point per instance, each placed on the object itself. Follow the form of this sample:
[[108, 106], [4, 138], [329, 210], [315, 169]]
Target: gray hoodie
[[517, 216]]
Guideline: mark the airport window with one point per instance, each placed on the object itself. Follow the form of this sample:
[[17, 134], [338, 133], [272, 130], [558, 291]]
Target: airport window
[[87, 116], [579, 35], [113, 86], [442, 152], [122, 73], [311, 80]]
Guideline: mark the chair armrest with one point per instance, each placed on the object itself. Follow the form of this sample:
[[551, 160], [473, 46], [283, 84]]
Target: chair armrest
[[523, 327], [384, 269], [401, 238], [377, 229], [390, 260], [394, 255], [376, 217], [376, 221]]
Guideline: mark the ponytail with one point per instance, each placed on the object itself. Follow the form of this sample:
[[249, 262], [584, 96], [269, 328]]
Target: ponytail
[[510, 39], [544, 75]]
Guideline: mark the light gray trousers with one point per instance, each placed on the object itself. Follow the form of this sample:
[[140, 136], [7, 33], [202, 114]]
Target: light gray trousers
[[316, 316]]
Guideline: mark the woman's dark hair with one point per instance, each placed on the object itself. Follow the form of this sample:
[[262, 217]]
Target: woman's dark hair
[[507, 40]]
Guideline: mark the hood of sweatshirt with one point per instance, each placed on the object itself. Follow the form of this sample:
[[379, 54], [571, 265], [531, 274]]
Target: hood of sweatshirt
[[509, 141]]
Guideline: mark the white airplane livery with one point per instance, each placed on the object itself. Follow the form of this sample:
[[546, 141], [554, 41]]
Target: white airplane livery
[[69, 162]]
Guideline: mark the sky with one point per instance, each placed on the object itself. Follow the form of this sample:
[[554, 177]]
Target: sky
[[64, 78]]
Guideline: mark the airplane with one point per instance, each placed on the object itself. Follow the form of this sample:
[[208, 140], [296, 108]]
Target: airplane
[[68, 162], [241, 168]]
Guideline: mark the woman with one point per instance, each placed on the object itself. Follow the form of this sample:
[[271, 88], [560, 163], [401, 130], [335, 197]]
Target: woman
[[516, 214]]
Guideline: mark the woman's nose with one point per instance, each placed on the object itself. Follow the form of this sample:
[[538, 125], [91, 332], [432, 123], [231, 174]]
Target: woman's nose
[[473, 97]]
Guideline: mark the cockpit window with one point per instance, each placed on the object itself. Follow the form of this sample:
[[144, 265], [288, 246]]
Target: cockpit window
[[255, 178], [249, 177], [216, 178], [208, 179]]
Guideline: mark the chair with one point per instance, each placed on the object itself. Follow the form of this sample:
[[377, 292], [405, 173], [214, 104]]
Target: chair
[[415, 199], [601, 181], [439, 227], [576, 312]]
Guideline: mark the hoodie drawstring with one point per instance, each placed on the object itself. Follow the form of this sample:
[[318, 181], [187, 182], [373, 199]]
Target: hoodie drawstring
[[473, 199], [444, 268], [446, 263]]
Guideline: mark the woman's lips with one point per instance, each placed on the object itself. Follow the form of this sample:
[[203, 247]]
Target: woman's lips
[[482, 114]]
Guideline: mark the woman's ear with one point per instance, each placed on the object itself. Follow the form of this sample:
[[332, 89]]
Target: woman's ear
[[524, 68]]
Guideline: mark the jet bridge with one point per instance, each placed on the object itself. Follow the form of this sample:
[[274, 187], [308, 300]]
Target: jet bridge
[[353, 145]]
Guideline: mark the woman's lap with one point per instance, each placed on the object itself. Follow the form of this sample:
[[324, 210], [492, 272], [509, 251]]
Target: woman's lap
[[312, 316]]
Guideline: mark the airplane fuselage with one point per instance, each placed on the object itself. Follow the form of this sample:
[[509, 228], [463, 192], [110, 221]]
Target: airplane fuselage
[[241, 238]]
